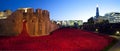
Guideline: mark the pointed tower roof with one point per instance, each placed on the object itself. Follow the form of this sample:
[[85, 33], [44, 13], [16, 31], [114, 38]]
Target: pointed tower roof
[[97, 5]]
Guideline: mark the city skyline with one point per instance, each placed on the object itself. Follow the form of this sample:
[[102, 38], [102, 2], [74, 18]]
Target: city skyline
[[65, 9]]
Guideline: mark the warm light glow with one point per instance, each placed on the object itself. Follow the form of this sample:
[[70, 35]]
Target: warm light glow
[[25, 9], [96, 30], [117, 33], [3, 17], [1, 13]]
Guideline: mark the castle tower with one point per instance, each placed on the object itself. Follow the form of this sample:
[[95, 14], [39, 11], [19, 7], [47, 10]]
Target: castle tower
[[97, 11], [36, 23]]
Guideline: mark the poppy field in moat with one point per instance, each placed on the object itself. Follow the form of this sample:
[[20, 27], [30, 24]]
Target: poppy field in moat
[[65, 39]]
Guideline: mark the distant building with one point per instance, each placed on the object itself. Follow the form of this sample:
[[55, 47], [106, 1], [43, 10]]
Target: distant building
[[70, 22], [79, 22], [97, 18], [5, 14], [97, 12], [113, 17], [100, 19]]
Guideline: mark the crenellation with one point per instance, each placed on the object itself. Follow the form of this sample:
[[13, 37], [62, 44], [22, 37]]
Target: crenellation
[[38, 11], [21, 10], [30, 10]]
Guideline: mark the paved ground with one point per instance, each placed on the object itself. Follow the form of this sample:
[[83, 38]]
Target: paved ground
[[116, 47]]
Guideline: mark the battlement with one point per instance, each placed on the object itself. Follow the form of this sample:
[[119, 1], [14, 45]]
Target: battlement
[[45, 12], [38, 10], [26, 10], [31, 11]]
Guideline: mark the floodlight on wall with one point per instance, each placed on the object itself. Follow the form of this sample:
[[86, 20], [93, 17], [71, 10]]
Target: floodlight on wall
[[25, 9]]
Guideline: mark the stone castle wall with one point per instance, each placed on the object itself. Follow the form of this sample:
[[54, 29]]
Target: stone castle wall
[[37, 23]]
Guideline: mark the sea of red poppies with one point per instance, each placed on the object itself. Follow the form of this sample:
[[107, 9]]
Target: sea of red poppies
[[66, 39]]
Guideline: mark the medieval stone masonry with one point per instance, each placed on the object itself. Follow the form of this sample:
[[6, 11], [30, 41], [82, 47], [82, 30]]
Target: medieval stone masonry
[[37, 23]]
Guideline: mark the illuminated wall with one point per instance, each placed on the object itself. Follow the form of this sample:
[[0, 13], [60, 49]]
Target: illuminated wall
[[37, 23]]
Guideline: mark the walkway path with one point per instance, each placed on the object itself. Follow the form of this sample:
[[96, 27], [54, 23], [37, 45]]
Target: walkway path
[[116, 47]]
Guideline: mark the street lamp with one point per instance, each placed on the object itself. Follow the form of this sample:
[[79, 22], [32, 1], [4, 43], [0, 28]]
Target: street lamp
[[96, 30], [117, 32]]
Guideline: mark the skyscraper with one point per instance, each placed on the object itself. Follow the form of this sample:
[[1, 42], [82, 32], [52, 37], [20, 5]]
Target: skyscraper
[[97, 12], [97, 17]]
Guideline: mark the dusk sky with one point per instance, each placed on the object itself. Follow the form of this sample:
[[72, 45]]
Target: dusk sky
[[65, 9]]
